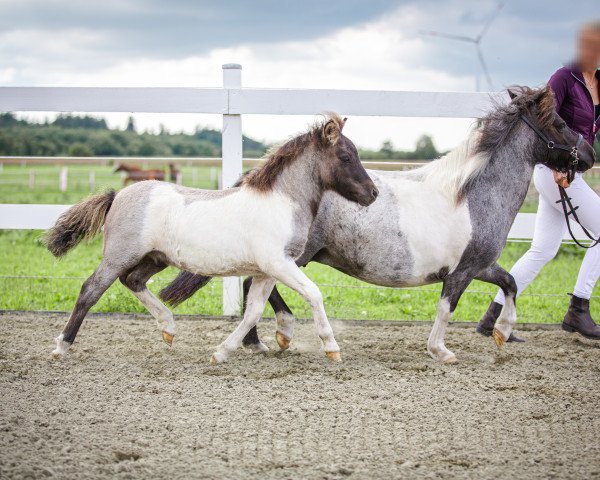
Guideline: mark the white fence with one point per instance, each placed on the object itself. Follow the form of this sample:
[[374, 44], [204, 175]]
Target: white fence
[[231, 101]]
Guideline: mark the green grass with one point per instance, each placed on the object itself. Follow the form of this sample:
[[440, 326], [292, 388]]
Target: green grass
[[15, 182], [23, 256], [345, 297]]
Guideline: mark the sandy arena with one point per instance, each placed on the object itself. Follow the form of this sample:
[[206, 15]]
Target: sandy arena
[[125, 405]]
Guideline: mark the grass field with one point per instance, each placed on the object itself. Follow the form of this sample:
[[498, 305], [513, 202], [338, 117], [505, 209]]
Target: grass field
[[25, 257]]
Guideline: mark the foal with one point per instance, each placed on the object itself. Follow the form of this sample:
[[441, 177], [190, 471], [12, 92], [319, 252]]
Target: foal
[[259, 228]]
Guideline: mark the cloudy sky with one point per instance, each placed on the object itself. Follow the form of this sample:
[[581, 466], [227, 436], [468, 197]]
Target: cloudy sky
[[350, 44]]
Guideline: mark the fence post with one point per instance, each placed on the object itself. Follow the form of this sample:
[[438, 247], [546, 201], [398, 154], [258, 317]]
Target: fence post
[[62, 179], [231, 169]]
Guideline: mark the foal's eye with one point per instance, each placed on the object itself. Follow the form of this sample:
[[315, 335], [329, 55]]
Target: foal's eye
[[345, 158]]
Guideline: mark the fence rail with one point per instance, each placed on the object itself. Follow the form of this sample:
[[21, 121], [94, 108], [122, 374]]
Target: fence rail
[[232, 101]]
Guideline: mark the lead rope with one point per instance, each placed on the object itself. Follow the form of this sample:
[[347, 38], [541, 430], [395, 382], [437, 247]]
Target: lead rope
[[568, 209]]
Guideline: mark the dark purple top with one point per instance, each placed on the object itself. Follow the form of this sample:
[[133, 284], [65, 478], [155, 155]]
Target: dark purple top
[[574, 102]]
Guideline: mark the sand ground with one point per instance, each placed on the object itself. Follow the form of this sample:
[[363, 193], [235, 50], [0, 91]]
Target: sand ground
[[125, 405]]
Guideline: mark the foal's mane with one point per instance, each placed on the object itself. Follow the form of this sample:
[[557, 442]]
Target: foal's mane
[[278, 158], [453, 173]]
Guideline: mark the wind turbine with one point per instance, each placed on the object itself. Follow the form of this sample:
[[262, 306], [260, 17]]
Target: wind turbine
[[475, 41]]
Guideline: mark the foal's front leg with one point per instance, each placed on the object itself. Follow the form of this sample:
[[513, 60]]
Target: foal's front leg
[[257, 298], [290, 274]]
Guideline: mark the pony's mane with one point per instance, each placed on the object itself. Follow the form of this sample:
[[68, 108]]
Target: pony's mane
[[452, 173], [279, 157], [537, 104]]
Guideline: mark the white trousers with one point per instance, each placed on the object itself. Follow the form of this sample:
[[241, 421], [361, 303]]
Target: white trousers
[[550, 227]]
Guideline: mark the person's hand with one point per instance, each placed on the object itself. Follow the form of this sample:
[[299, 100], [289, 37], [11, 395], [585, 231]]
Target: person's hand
[[561, 179]]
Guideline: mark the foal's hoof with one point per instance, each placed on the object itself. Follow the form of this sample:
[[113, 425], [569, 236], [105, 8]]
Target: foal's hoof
[[62, 347], [57, 355], [498, 338], [168, 338], [282, 341], [334, 356], [218, 358]]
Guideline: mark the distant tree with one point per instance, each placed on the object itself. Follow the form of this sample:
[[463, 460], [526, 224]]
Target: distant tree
[[79, 150], [387, 149], [130, 125], [72, 121], [425, 149]]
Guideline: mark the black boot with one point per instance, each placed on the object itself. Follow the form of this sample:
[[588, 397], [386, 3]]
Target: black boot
[[486, 324], [578, 319]]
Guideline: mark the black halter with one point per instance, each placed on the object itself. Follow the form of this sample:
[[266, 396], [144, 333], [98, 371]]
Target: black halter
[[565, 200], [572, 150]]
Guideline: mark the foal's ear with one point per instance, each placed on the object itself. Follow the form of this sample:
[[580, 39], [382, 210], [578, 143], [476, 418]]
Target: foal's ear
[[511, 94], [331, 132]]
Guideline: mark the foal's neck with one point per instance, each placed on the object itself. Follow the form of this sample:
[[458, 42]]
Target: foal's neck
[[301, 183]]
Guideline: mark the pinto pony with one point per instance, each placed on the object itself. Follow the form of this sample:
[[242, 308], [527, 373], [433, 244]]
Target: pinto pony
[[445, 222], [259, 228]]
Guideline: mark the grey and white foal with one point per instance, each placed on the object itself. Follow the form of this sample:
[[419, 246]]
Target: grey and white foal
[[259, 228]]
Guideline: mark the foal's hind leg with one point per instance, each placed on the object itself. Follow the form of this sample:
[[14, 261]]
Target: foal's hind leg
[[91, 291], [508, 316], [135, 280], [454, 286]]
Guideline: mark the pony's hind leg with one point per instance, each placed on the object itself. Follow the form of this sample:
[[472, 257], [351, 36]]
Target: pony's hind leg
[[284, 317], [496, 275], [451, 293], [135, 280], [257, 298], [91, 291]]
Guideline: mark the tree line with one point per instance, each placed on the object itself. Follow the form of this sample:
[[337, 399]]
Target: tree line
[[86, 136]]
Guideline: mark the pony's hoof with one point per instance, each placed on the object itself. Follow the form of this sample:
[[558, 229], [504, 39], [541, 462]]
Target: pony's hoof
[[57, 354], [498, 338], [282, 341], [334, 356], [449, 360], [168, 338], [62, 347], [218, 358], [257, 347]]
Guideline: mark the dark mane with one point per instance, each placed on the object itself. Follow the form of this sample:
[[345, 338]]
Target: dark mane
[[537, 104], [263, 178]]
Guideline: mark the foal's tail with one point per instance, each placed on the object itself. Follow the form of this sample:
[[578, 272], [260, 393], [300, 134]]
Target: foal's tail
[[82, 221], [183, 287]]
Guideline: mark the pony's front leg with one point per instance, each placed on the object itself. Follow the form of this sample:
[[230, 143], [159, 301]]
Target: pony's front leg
[[257, 298], [291, 275], [451, 293], [508, 316]]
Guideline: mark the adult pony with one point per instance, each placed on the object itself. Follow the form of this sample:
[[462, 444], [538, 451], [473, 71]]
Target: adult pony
[[445, 222], [259, 228]]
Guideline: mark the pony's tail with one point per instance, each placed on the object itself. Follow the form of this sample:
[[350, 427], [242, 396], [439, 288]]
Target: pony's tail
[[82, 221], [182, 288]]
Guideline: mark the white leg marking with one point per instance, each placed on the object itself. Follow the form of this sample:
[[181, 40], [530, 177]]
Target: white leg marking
[[163, 316], [507, 320], [291, 275], [285, 329], [435, 343], [257, 298], [61, 347]]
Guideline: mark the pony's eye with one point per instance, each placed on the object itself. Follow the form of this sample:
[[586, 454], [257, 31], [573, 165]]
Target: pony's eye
[[345, 158]]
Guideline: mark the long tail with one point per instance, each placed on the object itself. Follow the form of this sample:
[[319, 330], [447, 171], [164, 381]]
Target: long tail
[[183, 287], [82, 221]]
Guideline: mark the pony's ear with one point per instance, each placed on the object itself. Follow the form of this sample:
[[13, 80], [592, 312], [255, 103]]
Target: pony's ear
[[344, 122], [331, 132]]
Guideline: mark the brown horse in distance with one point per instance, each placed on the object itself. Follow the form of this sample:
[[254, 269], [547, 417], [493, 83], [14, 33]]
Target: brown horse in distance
[[136, 174]]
